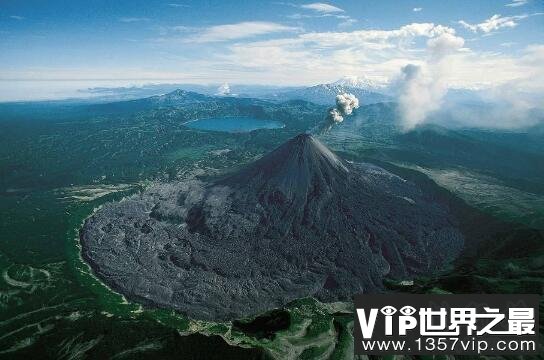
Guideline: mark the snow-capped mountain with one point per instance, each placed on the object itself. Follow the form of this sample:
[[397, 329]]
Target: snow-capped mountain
[[359, 83], [366, 90]]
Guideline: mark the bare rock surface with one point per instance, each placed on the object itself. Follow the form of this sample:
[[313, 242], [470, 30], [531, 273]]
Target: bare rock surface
[[298, 222]]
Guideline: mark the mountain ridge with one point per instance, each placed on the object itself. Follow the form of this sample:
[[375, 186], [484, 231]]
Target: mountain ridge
[[367, 91]]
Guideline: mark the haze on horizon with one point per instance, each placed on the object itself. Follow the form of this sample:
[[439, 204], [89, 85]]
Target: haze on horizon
[[421, 48]]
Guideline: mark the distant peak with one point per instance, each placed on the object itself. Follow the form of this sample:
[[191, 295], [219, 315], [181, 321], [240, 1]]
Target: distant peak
[[179, 96], [178, 92], [356, 82]]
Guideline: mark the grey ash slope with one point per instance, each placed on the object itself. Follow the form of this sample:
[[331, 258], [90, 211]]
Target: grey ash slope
[[298, 222]]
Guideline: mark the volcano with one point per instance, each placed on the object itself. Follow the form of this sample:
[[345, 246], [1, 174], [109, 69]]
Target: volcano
[[298, 222]]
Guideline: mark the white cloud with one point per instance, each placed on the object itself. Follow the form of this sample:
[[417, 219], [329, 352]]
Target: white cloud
[[517, 97], [180, 28], [310, 58], [238, 31], [444, 44], [307, 58], [516, 3], [322, 8], [176, 5], [495, 22], [417, 9], [376, 37], [347, 22], [444, 63], [317, 57], [133, 19], [17, 17]]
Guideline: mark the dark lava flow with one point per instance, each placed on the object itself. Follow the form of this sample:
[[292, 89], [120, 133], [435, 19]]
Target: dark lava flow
[[298, 222]]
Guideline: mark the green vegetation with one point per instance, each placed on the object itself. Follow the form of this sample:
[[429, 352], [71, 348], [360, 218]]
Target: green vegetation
[[58, 163]]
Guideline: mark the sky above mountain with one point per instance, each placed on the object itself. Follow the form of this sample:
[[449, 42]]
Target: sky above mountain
[[472, 44]]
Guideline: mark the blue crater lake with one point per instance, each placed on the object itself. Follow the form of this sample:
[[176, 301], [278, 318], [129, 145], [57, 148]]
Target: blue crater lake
[[233, 124]]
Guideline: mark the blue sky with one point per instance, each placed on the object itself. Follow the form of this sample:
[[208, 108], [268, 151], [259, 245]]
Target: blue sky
[[488, 43]]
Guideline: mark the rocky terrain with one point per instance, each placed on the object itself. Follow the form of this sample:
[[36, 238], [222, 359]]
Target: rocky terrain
[[298, 222]]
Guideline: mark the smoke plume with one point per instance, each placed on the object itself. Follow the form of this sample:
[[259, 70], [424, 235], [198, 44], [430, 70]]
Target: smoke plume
[[335, 116], [345, 104], [224, 90], [423, 87], [422, 92]]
